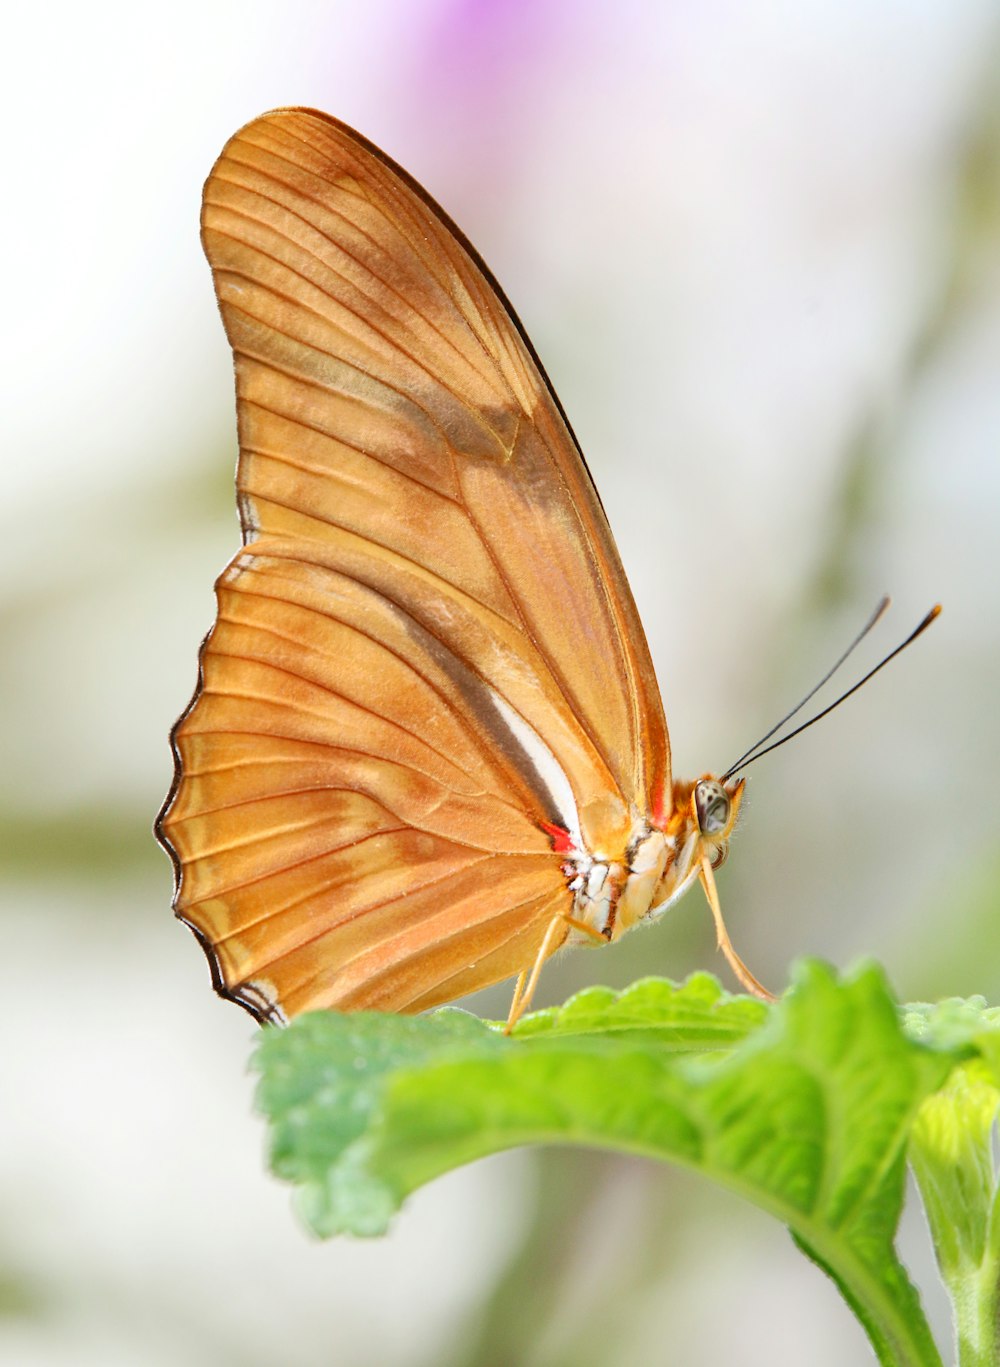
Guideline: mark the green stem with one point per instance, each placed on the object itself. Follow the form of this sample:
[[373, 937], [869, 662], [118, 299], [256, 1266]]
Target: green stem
[[974, 1299]]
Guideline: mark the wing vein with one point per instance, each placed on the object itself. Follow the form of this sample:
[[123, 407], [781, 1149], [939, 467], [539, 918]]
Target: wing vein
[[280, 869], [326, 688], [362, 265], [385, 183], [278, 554], [461, 721], [352, 916], [503, 911]]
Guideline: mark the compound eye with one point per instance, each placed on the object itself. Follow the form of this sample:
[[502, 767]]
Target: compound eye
[[713, 806]]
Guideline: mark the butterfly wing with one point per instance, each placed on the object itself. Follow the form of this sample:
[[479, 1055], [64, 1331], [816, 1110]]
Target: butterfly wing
[[426, 649]]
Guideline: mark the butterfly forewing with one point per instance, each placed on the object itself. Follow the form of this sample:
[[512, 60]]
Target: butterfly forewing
[[426, 652]]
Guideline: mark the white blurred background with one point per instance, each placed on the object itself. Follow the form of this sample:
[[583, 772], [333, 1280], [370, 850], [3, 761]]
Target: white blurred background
[[757, 246]]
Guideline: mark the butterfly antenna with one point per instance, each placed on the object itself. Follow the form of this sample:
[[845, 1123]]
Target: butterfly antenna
[[755, 753], [875, 617]]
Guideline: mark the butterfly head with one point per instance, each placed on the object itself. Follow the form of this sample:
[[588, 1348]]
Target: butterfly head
[[714, 810], [704, 817]]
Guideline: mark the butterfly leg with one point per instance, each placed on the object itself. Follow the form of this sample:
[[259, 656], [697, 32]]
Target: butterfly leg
[[524, 989], [743, 974], [522, 978]]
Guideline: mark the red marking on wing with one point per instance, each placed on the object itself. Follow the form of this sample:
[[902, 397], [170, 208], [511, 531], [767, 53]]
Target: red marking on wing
[[562, 841]]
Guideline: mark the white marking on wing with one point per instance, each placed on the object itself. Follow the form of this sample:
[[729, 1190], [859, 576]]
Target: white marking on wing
[[545, 764], [242, 562]]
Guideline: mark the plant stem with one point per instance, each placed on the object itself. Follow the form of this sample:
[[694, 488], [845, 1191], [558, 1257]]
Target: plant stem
[[974, 1298]]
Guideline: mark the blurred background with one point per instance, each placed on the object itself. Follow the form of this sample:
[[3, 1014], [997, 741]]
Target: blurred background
[[758, 249]]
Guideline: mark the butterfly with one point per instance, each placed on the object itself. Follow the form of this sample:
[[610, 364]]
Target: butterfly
[[427, 747]]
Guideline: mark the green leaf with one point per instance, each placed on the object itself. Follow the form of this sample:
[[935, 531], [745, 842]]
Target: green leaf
[[804, 1108], [324, 1084], [694, 1017]]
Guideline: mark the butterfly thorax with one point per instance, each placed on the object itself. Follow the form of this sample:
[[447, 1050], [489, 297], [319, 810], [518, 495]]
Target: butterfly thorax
[[657, 866]]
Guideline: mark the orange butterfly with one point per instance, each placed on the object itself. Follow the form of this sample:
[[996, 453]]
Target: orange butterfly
[[427, 746]]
